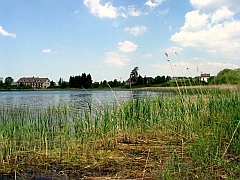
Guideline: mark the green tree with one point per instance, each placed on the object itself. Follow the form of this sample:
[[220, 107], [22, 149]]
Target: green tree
[[8, 81], [228, 76], [134, 75], [1, 83], [60, 81], [52, 84], [140, 80], [71, 81], [88, 81]]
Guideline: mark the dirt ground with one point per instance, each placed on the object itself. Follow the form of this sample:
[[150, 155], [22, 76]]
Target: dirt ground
[[128, 160]]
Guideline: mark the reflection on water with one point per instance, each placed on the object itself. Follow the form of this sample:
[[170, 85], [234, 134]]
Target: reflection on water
[[77, 99]]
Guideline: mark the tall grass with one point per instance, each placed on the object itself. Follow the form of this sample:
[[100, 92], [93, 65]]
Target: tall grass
[[201, 133]]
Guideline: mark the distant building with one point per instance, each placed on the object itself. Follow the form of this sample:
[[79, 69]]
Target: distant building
[[129, 81], [34, 82], [205, 77], [14, 84]]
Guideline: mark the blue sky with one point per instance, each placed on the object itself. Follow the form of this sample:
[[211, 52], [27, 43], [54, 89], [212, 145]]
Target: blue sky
[[108, 38]]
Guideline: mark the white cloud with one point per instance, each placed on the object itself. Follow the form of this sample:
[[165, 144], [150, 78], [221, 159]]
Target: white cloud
[[222, 14], [46, 51], [221, 37], [195, 21], [162, 12], [213, 5], [193, 68], [221, 65], [206, 66], [154, 3], [103, 11], [127, 46], [132, 11], [137, 30], [216, 32], [5, 33], [116, 59], [173, 49]]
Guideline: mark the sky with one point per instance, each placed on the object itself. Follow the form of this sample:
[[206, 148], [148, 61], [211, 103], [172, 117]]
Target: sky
[[108, 38]]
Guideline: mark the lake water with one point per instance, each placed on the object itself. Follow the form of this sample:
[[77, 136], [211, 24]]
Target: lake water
[[77, 99]]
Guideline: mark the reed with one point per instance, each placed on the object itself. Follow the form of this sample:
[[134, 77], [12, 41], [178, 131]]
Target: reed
[[188, 136]]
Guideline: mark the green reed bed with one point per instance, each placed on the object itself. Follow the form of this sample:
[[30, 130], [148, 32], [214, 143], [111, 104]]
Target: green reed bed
[[182, 136]]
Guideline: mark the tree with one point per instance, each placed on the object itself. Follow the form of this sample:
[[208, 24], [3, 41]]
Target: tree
[[52, 84], [228, 76], [77, 82], [134, 75], [60, 81], [157, 80], [1, 82], [71, 81], [140, 80], [83, 80], [8, 81]]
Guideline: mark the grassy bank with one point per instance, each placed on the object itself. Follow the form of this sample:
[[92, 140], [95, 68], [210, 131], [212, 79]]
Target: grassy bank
[[173, 137]]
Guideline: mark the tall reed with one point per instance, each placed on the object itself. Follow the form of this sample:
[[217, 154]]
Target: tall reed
[[206, 126]]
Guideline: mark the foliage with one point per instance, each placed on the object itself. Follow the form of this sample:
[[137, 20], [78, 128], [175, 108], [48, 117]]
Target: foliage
[[134, 75], [83, 81], [228, 76], [8, 81]]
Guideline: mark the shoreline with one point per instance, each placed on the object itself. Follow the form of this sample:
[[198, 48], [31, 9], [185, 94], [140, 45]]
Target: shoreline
[[151, 88]]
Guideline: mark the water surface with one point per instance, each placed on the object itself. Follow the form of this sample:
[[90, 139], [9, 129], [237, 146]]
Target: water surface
[[78, 99]]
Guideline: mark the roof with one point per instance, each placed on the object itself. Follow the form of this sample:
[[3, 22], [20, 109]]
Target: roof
[[32, 79], [14, 84], [128, 80], [205, 75]]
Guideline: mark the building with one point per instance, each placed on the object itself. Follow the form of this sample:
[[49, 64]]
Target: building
[[128, 81], [205, 77], [34, 82]]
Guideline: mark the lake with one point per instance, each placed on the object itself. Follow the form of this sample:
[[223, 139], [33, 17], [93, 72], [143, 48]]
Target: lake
[[77, 98]]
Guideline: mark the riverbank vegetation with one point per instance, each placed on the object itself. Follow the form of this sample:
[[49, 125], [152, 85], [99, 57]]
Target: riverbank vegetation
[[169, 137], [226, 76]]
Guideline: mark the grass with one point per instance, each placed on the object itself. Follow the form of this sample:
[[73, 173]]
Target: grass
[[172, 137]]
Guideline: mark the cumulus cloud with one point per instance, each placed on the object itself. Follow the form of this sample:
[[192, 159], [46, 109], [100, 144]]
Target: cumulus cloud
[[213, 5], [116, 59], [127, 46], [103, 11], [195, 21], [216, 32], [5, 33], [154, 3], [222, 14], [137, 30], [46, 51]]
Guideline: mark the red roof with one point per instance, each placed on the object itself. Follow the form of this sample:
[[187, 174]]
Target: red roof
[[205, 75], [128, 80], [32, 79]]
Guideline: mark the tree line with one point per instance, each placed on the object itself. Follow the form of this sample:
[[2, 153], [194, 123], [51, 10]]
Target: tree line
[[78, 81], [226, 76]]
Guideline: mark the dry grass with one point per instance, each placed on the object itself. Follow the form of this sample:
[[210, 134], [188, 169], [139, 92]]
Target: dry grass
[[141, 158], [181, 137]]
